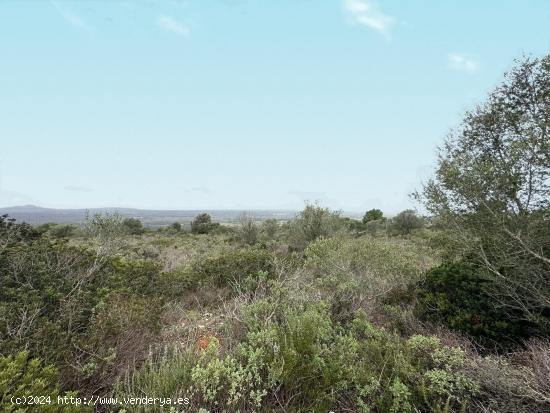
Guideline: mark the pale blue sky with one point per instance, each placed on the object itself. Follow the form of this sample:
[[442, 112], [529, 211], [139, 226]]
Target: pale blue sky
[[240, 103]]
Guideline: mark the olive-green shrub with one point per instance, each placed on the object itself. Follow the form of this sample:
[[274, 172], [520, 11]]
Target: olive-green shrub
[[232, 267], [26, 386], [458, 294]]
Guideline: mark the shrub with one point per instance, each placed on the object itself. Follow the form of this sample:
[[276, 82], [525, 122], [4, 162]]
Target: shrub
[[294, 355], [133, 226], [248, 231], [457, 294], [373, 215], [22, 377], [351, 273], [175, 227], [233, 267], [61, 231], [406, 221], [270, 228], [165, 375], [202, 224], [312, 223], [68, 290]]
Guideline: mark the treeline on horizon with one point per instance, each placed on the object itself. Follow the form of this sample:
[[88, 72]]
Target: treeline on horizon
[[449, 312]]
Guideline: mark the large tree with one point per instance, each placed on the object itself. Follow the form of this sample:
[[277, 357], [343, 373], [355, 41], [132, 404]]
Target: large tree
[[491, 189]]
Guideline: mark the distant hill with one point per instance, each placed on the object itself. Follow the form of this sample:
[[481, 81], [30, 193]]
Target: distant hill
[[37, 215]]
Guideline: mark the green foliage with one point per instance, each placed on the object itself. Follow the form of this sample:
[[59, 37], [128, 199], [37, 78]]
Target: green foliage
[[75, 309], [103, 227], [491, 188], [25, 379], [312, 223], [61, 231], [407, 221], [351, 272], [202, 224], [373, 215], [133, 226], [302, 360], [10, 231], [458, 294], [165, 375], [248, 231], [175, 227], [232, 267], [270, 229]]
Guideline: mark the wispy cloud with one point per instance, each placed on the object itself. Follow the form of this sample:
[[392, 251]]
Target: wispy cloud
[[71, 18], [78, 188], [366, 13], [172, 25], [462, 63]]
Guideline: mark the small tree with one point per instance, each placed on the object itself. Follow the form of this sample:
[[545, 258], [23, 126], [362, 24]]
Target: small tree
[[202, 224], [406, 221], [312, 223], [133, 226], [175, 227], [491, 189], [373, 215], [248, 230], [106, 234], [270, 227]]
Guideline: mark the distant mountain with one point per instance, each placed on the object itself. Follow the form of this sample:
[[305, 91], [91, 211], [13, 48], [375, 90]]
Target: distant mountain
[[36, 215]]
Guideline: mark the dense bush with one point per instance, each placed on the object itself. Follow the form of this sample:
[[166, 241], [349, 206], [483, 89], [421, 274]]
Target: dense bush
[[232, 267], [133, 226], [270, 229], [248, 231], [458, 294], [312, 223], [70, 307], [302, 361], [490, 190], [406, 221], [61, 231], [202, 224], [373, 215], [353, 273], [26, 379]]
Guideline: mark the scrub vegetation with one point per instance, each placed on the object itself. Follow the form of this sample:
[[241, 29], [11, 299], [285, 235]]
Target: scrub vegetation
[[447, 310]]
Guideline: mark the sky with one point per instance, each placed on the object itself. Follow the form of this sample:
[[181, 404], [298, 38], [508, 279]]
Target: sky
[[244, 104]]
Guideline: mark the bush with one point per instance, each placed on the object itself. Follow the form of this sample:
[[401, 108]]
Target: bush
[[202, 224], [373, 215], [312, 223], [351, 273], [248, 231], [269, 229], [457, 294], [133, 226], [233, 267], [175, 227], [301, 360], [407, 221], [68, 290], [22, 377], [62, 231]]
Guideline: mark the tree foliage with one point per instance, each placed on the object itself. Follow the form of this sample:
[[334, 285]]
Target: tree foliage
[[372, 215], [202, 224], [458, 294], [491, 188], [311, 223], [407, 221], [133, 226]]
